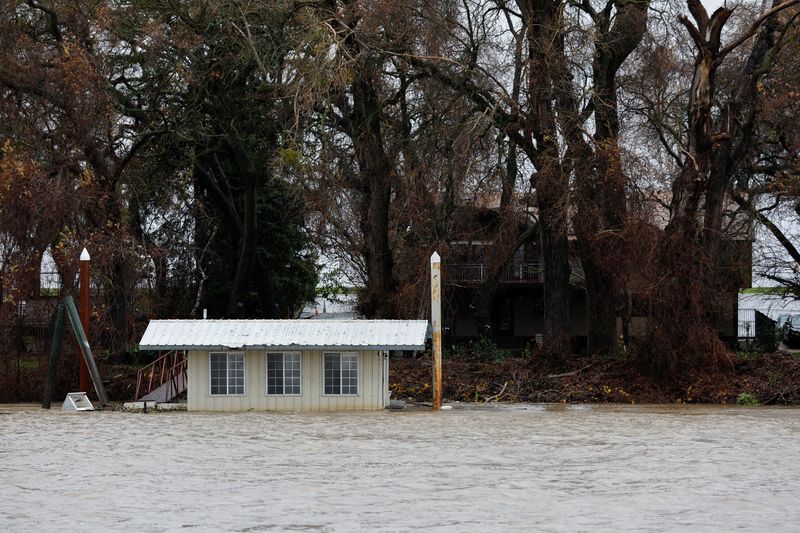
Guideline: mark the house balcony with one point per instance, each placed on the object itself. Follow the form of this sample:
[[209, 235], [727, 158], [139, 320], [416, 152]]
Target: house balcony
[[514, 273]]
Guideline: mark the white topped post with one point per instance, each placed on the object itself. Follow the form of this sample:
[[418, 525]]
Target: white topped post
[[83, 371], [436, 325]]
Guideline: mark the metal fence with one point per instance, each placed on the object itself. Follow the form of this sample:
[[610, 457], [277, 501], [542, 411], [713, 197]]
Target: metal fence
[[757, 331], [747, 323]]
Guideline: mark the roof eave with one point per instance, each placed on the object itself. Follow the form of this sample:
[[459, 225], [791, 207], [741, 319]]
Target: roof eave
[[394, 347]]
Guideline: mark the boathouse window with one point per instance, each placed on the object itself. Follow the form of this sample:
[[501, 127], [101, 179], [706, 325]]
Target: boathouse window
[[341, 373], [283, 373], [227, 373]]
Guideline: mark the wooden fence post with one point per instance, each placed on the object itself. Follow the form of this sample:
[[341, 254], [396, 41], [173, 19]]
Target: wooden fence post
[[436, 324]]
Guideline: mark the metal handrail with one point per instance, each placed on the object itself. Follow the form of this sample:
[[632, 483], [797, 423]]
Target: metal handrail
[[159, 367], [173, 375]]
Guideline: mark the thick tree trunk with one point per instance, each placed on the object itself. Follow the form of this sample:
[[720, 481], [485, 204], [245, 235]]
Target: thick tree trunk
[[376, 192], [599, 220], [601, 307], [247, 253], [252, 273], [377, 253], [553, 236], [681, 333], [542, 26], [551, 193], [602, 208]]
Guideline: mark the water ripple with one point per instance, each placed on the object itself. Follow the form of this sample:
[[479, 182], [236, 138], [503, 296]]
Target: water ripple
[[555, 468]]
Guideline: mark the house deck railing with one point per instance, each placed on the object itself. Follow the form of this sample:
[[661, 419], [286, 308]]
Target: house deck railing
[[513, 273], [478, 272]]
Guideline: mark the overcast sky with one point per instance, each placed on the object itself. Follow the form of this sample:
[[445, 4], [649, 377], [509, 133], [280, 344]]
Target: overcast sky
[[711, 5]]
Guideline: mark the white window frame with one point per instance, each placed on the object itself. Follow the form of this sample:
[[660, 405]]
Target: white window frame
[[227, 377], [266, 373], [358, 374]]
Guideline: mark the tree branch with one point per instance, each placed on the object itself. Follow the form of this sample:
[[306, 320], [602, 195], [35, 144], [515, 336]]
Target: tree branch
[[755, 27], [52, 19]]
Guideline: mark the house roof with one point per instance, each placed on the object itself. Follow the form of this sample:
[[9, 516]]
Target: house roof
[[285, 335]]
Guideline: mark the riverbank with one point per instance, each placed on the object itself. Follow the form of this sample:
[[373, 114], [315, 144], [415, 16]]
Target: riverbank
[[494, 376], [769, 379]]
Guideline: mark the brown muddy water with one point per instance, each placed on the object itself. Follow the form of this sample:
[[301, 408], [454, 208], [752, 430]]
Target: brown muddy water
[[507, 468]]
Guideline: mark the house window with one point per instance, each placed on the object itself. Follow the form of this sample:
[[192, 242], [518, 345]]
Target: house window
[[283, 373], [341, 373], [227, 373]]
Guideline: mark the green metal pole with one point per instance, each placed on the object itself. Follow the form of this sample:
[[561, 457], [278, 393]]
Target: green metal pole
[[75, 321], [55, 356]]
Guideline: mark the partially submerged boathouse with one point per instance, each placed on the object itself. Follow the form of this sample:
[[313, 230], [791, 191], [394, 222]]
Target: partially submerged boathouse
[[286, 365]]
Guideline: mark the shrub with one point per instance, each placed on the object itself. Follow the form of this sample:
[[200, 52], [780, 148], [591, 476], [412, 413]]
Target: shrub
[[484, 349], [746, 398], [767, 341]]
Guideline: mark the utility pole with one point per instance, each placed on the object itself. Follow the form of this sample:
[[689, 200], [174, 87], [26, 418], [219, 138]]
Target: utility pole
[[84, 369], [436, 324]]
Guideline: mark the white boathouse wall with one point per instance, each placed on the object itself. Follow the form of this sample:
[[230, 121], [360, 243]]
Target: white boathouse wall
[[373, 388]]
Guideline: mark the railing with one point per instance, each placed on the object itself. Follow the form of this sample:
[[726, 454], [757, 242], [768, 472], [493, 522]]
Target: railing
[[478, 273], [170, 367], [512, 273], [527, 272]]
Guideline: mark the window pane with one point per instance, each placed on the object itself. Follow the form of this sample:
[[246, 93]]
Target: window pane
[[227, 373], [218, 373], [291, 373], [350, 374], [333, 373], [341, 373], [283, 373], [236, 373], [275, 373]]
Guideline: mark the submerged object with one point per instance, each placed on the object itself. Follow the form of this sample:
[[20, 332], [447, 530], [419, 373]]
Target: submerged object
[[396, 404], [77, 401]]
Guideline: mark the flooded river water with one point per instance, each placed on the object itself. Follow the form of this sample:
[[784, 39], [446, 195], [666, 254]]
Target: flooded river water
[[513, 468]]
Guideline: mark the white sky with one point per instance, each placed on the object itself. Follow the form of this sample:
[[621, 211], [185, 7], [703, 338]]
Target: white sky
[[711, 5]]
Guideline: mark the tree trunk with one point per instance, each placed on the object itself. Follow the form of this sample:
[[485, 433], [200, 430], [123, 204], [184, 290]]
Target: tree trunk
[[601, 203], [250, 267], [247, 253], [601, 308], [553, 238], [681, 333], [542, 26], [375, 178]]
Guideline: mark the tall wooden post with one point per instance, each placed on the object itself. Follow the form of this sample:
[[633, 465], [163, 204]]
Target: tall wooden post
[[84, 369], [436, 324], [55, 354]]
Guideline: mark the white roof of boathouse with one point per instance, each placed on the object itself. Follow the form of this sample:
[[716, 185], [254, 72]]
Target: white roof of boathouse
[[285, 335]]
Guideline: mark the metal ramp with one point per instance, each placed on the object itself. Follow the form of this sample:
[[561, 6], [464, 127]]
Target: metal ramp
[[167, 391], [164, 379]]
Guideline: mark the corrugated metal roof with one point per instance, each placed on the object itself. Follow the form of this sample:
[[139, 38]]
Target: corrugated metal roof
[[285, 334]]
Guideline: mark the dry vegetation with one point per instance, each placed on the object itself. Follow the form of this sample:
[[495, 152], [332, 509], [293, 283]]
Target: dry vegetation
[[773, 379]]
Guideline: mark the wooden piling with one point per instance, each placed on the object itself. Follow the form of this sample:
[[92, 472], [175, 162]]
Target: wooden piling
[[436, 325], [84, 301], [55, 356], [74, 320]]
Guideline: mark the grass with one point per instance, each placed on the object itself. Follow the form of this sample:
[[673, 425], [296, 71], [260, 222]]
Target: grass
[[780, 291], [747, 398]]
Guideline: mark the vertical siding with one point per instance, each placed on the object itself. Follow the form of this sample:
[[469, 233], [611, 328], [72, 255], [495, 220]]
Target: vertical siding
[[370, 377]]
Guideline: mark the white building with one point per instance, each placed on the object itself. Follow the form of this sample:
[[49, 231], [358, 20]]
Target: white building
[[286, 365]]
